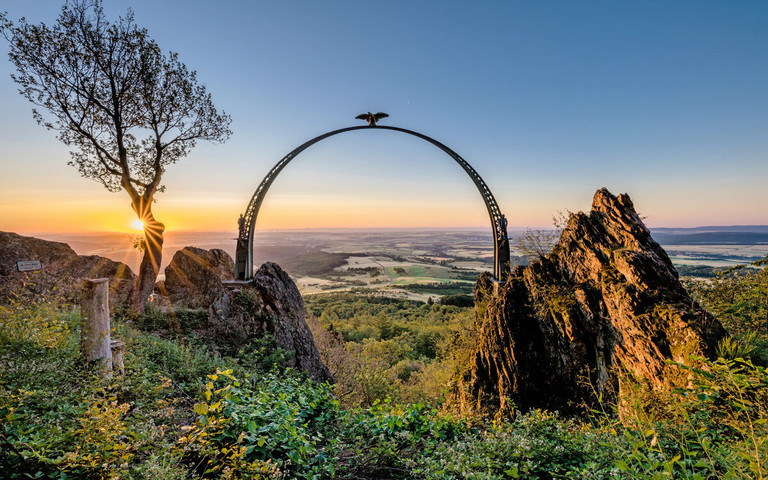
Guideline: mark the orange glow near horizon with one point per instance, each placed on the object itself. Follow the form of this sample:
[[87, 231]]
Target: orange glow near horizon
[[117, 217], [112, 213]]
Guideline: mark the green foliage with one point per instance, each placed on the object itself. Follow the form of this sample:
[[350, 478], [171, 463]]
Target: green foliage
[[370, 271], [458, 300], [700, 271], [440, 288], [273, 423], [296, 429], [194, 332], [58, 419], [716, 428], [261, 355], [381, 441], [169, 418], [739, 299], [175, 321], [357, 318], [381, 347], [184, 364], [730, 349], [534, 445]]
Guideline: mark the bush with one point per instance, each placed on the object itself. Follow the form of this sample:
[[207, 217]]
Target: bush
[[265, 425], [535, 445], [458, 300], [739, 299], [60, 419], [716, 428]]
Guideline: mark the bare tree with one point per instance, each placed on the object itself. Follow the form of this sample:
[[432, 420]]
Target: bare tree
[[125, 109], [535, 244]]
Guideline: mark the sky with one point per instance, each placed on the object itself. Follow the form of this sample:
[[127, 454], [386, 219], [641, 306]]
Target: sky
[[548, 100]]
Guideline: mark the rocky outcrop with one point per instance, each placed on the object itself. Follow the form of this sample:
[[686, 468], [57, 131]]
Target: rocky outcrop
[[194, 276], [61, 274], [606, 300], [270, 304]]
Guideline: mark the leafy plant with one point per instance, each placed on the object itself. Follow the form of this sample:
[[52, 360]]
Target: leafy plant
[[275, 423], [730, 349]]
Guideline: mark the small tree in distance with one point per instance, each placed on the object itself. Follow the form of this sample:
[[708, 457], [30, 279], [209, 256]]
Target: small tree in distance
[[126, 110], [535, 244]]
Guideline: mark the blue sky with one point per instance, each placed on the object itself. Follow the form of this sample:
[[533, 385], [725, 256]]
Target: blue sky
[[549, 101]]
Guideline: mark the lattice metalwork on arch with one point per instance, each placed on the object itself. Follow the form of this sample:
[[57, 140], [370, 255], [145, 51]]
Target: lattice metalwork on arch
[[247, 222]]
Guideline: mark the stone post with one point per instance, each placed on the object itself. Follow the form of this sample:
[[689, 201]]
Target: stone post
[[95, 329]]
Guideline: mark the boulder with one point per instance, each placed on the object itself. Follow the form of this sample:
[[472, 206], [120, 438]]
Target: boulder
[[61, 274], [269, 304], [605, 304], [194, 276]]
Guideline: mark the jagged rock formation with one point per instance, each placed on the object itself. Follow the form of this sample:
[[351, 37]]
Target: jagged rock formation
[[62, 271], [606, 299], [194, 276], [269, 304]]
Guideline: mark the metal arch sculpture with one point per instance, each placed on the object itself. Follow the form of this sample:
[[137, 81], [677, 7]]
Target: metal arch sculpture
[[247, 221]]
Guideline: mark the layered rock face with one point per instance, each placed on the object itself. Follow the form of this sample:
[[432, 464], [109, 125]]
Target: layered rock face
[[61, 274], [269, 304], [605, 300]]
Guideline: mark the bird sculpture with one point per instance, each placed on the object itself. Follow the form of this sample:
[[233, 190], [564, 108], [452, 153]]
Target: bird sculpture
[[372, 118]]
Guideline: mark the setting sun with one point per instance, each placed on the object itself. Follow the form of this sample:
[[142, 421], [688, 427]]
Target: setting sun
[[137, 224]]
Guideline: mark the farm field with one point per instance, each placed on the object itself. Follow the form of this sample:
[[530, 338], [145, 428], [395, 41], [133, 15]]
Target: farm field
[[418, 265], [405, 264], [410, 264]]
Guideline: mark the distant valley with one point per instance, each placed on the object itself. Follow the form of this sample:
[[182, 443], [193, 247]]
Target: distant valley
[[416, 264]]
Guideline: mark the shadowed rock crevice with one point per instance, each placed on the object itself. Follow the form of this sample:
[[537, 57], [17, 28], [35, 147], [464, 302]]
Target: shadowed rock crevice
[[606, 299]]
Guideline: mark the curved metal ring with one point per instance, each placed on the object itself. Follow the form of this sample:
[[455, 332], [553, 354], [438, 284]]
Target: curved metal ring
[[247, 223]]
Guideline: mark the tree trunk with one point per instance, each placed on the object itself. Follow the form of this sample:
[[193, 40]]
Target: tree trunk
[[153, 257]]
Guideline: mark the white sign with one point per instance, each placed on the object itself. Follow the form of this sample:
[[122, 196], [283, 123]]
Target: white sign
[[29, 265]]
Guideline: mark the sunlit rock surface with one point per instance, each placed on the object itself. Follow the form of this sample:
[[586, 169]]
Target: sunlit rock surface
[[61, 274], [193, 278], [605, 300]]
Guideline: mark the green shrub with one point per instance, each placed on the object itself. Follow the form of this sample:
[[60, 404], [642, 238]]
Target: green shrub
[[730, 348], [381, 441], [739, 299], [59, 418], [535, 445], [269, 423], [716, 428]]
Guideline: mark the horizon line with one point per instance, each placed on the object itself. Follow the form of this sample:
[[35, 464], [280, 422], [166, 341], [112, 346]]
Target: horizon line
[[356, 229]]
